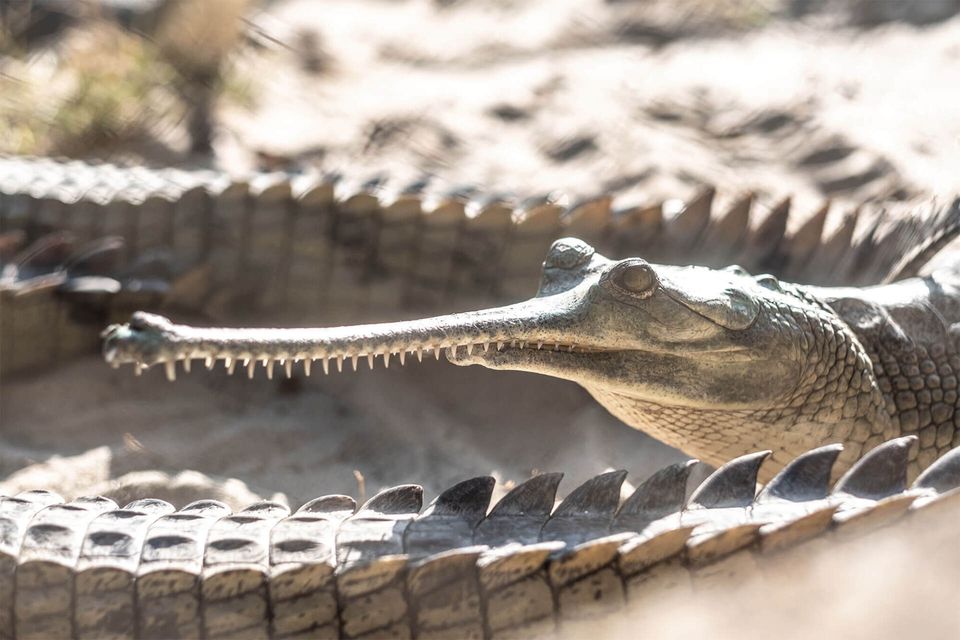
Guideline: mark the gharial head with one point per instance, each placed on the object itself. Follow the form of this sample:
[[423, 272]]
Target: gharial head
[[714, 361]]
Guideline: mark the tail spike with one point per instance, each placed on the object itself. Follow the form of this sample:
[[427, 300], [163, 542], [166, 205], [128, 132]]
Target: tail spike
[[806, 477], [802, 244], [660, 495], [330, 504], [694, 218], [943, 475], [589, 218], [520, 515], [732, 485], [405, 498], [764, 244], [599, 495], [724, 238], [536, 496], [915, 259], [882, 472], [587, 513], [831, 251], [468, 499]]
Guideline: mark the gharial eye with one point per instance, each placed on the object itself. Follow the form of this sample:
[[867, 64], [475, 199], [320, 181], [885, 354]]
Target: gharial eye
[[636, 277]]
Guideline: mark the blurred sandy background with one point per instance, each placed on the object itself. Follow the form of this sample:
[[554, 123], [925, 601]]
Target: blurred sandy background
[[648, 99]]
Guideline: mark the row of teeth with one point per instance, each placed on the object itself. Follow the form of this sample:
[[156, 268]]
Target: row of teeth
[[250, 364]]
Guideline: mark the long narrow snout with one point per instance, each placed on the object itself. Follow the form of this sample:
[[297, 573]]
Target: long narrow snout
[[150, 339]]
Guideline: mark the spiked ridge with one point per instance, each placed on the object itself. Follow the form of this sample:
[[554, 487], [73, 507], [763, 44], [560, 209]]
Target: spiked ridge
[[457, 568]]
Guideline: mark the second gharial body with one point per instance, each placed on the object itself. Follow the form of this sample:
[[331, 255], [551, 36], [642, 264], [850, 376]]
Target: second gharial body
[[715, 362]]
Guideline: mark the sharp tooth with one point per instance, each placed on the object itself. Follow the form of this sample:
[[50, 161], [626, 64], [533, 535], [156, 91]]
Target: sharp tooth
[[436, 352], [246, 362], [268, 364], [229, 364], [186, 365], [251, 365], [339, 363], [486, 347], [370, 357], [288, 366], [570, 348], [539, 346], [355, 357], [419, 355], [210, 361], [523, 344], [138, 369], [470, 349], [499, 345], [309, 363], [403, 356], [386, 360], [326, 366], [171, 368]]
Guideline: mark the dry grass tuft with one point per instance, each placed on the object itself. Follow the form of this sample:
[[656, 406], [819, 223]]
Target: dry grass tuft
[[105, 87], [102, 88]]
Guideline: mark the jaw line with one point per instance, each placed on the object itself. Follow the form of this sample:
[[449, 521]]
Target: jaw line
[[546, 361]]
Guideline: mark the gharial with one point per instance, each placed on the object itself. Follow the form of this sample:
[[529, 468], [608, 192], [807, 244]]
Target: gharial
[[715, 362], [757, 363]]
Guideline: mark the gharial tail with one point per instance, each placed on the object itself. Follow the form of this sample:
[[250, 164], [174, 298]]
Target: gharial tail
[[925, 240]]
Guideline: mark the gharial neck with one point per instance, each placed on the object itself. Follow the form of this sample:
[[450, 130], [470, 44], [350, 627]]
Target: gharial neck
[[838, 399]]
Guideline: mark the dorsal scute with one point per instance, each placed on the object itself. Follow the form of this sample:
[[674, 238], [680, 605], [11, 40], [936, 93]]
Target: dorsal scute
[[598, 495], [732, 485], [587, 512], [943, 475], [660, 495], [519, 515], [535, 496], [806, 477], [403, 498], [881, 473], [469, 499]]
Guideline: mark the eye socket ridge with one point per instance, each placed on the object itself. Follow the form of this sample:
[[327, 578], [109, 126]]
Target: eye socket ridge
[[634, 277]]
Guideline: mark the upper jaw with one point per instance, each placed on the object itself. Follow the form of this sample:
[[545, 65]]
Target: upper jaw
[[539, 323]]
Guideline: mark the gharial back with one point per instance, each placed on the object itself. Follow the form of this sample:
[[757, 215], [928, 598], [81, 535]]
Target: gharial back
[[910, 332]]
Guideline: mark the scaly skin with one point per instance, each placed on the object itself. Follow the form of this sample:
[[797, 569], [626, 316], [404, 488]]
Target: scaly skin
[[716, 363], [87, 569]]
